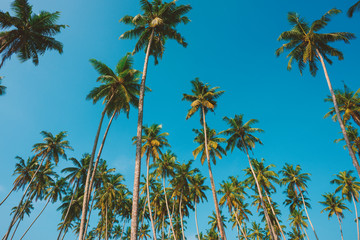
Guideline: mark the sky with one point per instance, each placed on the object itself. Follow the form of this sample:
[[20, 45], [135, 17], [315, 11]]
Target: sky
[[231, 45]]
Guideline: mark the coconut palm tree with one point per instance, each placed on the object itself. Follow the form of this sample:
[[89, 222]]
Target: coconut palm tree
[[308, 46], [2, 87], [197, 194], [156, 24], [296, 181], [213, 221], [120, 90], [349, 188], [29, 34], [334, 205], [353, 8], [257, 232], [28, 207], [203, 99], [297, 220], [240, 136]]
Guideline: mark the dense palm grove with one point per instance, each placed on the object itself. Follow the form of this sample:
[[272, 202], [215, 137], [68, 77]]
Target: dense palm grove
[[170, 189]]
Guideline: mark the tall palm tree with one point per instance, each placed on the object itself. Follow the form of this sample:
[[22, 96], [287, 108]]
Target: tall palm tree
[[349, 188], [197, 194], [353, 8], [213, 221], [30, 34], [308, 46], [334, 205], [240, 136], [152, 28], [256, 231], [296, 181], [354, 138], [52, 149], [203, 99], [120, 90], [2, 87]]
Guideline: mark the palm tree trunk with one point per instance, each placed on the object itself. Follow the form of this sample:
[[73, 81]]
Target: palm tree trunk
[[342, 237], [266, 214], [357, 219], [273, 211], [239, 225], [135, 203], [88, 218], [36, 217], [17, 214], [168, 210], [148, 194], [196, 222], [106, 223], [122, 231], [342, 126], [171, 214], [181, 217], [162, 228], [66, 230], [87, 182], [213, 189], [17, 225], [307, 214], [356, 118], [8, 195]]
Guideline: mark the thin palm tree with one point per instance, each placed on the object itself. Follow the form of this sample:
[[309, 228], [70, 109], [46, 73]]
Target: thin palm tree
[[2, 87], [349, 188], [334, 205], [29, 34], [353, 8], [203, 99], [120, 90], [296, 181], [308, 46], [241, 136], [156, 24]]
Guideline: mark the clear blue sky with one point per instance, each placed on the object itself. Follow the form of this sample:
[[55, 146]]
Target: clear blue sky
[[231, 45]]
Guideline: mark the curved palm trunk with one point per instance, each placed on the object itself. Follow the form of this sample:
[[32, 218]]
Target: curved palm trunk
[[122, 231], [266, 214], [162, 228], [273, 212], [307, 214], [357, 219], [86, 190], [342, 126], [106, 223], [356, 118], [342, 237], [8, 195], [304, 230], [168, 210], [135, 203], [66, 230], [36, 218], [17, 225], [148, 195], [181, 218], [239, 225], [88, 218], [213, 189], [196, 222]]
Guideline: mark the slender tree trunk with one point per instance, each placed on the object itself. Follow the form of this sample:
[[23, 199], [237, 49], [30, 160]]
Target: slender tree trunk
[[266, 214], [162, 229], [17, 225], [342, 126], [148, 194], [167, 208], [181, 218], [342, 237], [196, 222], [122, 231], [87, 182], [304, 229], [307, 214], [88, 218], [8, 195], [239, 225], [36, 217], [213, 189], [66, 230], [106, 223], [171, 214], [273, 211], [357, 219], [17, 214], [135, 203], [356, 118]]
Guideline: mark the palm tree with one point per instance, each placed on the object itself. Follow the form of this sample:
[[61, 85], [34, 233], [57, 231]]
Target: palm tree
[[297, 220], [203, 98], [213, 221], [256, 232], [28, 207], [197, 194], [153, 27], [119, 89], [354, 138], [2, 87], [30, 34], [296, 181], [349, 188], [353, 8], [240, 135], [306, 45], [334, 205], [52, 148]]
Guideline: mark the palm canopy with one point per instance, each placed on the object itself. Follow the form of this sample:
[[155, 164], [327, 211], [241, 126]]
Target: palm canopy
[[198, 188], [347, 184], [349, 105], [305, 43], [2, 87], [353, 8], [240, 133], [120, 87], [213, 144], [24, 171], [334, 205], [354, 138], [293, 178], [29, 35], [203, 97], [165, 165], [157, 21]]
